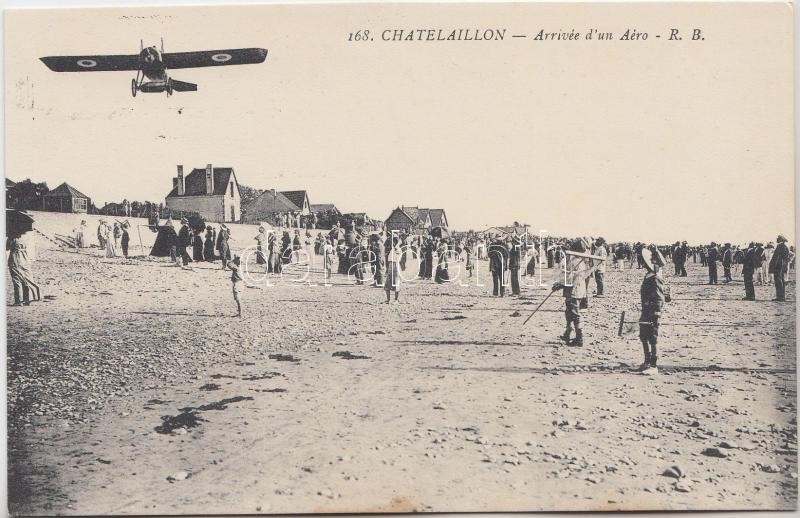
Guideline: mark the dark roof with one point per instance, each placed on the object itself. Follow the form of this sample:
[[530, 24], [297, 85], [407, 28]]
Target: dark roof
[[403, 212], [438, 219], [296, 197], [66, 190], [10, 183], [268, 202], [322, 207], [195, 182], [411, 212]]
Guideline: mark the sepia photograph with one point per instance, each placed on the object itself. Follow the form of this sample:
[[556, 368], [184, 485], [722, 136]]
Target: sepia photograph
[[301, 258]]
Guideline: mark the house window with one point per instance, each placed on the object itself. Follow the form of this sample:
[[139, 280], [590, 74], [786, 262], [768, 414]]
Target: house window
[[79, 204], [231, 189], [233, 209]]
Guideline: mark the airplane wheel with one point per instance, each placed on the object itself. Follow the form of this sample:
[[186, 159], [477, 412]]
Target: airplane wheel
[[133, 87], [169, 87]]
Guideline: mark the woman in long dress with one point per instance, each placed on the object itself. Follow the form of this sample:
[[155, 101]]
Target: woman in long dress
[[111, 248], [261, 245], [19, 267], [208, 246], [197, 246], [442, 273]]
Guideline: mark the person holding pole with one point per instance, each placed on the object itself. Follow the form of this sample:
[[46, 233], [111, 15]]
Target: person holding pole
[[574, 289], [654, 294]]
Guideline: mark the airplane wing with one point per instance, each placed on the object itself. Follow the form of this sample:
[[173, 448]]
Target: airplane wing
[[214, 58], [91, 63]]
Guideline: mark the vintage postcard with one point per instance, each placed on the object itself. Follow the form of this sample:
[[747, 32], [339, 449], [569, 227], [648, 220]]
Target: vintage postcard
[[366, 258]]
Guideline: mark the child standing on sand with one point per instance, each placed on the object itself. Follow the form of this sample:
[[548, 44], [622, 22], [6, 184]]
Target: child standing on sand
[[575, 290], [236, 282]]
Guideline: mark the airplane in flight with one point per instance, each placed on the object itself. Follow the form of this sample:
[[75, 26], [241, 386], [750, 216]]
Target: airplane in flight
[[153, 65]]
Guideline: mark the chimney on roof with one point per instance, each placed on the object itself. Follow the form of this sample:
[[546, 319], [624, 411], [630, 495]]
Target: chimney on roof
[[209, 179], [179, 183]]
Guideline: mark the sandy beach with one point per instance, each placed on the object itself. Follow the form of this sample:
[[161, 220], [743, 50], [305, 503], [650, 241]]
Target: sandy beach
[[134, 389]]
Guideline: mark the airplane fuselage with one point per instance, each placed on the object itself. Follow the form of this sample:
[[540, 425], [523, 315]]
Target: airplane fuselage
[[152, 64]]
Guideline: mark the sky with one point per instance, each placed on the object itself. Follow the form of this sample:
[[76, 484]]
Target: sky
[[650, 140]]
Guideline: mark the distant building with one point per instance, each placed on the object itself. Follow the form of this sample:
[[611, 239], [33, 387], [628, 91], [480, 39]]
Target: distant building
[[269, 204], [213, 193], [325, 207], [416, 219], [66, 198], [300, 199], [506, 231]]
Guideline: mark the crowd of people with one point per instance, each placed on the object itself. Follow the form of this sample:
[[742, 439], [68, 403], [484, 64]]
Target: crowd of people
[[389, 259]]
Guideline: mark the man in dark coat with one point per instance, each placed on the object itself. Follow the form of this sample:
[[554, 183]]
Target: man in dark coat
[[184, 240], [679, 256], [748, 269], [498, 264], [778, 266], [711, 258], [727, 261], [514, 260]]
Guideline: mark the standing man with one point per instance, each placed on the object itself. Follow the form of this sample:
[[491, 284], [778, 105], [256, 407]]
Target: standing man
[[514, 260], [748, 269], [653, 294], [599, 249], [498, 263], [222, 245], [727, 261], [126, 238], [778, 266], [184, 240], [679, 257], [711, 258]]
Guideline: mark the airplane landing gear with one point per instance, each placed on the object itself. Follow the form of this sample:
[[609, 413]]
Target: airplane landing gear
[[134, 87], [169, 87]]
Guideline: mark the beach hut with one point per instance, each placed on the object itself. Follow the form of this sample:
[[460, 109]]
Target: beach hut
[[66, 198]]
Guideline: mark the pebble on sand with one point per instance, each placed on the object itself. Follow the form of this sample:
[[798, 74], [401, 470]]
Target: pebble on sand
[[178, 476], [674, 472], [714, 452]]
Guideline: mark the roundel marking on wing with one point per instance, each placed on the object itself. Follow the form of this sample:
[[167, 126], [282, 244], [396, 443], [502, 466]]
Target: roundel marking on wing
[[221, 58], [87, 63]]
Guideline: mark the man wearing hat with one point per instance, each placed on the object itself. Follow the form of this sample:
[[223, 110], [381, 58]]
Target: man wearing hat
[[748, 269], [778, 266], [727, 261], [653, 295], [599, 249], [712, 257], [514, 261], [223, 247], [498, 264], [679, 256], [184, 239]]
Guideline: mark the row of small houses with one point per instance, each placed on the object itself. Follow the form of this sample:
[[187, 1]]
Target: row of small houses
[[215, 194]]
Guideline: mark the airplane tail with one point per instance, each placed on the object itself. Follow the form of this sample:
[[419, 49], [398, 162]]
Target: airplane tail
[[181, 86]]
